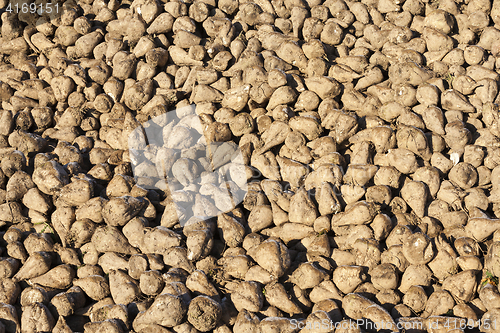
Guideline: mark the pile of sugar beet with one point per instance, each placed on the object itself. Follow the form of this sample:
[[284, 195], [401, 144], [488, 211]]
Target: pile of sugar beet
[[368, 141]]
